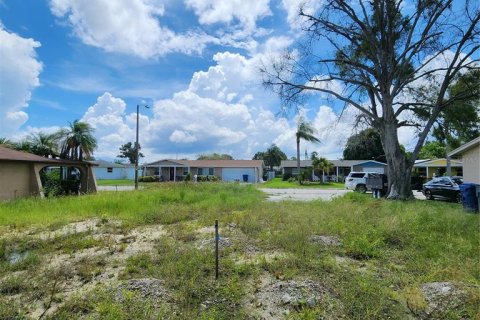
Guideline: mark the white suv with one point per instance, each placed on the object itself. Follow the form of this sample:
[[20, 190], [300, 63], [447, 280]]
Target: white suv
[[357, 181]]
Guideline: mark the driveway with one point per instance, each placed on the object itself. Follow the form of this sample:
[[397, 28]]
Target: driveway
[[303, 194], [313, 194], [117, 188]]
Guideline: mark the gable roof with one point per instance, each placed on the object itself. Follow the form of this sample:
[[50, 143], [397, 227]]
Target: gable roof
[[107, 164], [464, 148], [7, 154], [208, 163]]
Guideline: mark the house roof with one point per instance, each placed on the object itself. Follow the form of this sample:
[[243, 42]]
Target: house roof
[[107, 164], [7, 154], [336, 163], [437, 163], [208, 163], [464, 148]]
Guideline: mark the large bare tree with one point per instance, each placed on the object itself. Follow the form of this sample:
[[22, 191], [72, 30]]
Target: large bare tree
[[393, 59]]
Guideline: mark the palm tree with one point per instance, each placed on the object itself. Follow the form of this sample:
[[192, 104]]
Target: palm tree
[[5, 142], [306, 132], [22, 145], [78, 141], [322, 164], [43, 144]]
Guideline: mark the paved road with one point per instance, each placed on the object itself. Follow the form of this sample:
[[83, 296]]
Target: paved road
[[312, 194], [117, 188], [302, 194]]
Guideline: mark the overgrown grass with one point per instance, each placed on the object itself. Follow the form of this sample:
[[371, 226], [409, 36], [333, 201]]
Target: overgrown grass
[[388, 250], [280, 184], [164, 203]]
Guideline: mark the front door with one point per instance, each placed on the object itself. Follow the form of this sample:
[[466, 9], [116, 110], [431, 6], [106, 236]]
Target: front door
[[172, 174]]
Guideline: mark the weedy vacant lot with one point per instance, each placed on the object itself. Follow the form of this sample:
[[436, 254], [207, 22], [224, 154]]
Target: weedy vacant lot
[[149, 254]]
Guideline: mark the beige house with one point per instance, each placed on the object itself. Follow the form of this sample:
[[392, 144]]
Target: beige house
[[470, 155], [226, 170], [20, 173]]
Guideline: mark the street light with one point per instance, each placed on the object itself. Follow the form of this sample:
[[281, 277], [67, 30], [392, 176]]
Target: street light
[[136, 148]]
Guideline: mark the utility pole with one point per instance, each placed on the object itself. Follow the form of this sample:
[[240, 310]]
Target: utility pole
[[137, 147]]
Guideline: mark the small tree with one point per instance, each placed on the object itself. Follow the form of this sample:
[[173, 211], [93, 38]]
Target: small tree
[[127, 151], [433, 150], [77, 141], [322, 164], [43, 144], [365, 145], [306, 132], [272, 157]]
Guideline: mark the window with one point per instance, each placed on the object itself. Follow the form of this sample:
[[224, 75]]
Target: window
[[357, 175], [109, 169], [206, 171]]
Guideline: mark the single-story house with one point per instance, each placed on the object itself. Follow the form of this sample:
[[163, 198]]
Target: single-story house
[[105, 170], [20, 173], [470, 155], [340, 169], [226, 170], [428, 168]]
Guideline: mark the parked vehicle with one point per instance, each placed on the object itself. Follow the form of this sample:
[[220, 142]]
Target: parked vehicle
[[358, 181], [445, 188]]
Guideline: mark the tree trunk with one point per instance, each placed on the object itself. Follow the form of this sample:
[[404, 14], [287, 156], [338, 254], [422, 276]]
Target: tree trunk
[[398, 171]]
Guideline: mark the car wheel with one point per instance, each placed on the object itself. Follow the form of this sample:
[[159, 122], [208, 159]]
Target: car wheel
[[428, 195], [459, 198], [361, 188]]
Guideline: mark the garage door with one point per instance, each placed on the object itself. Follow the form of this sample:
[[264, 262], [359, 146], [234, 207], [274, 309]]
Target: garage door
[[374, 169], [236, 174]]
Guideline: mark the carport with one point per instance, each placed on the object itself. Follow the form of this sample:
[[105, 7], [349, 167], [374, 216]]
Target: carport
[[20, 173]]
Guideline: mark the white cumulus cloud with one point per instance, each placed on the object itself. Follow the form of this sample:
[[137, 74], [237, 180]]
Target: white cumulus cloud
[[247, 12], [19, 75], [126, 26], [113, 127]]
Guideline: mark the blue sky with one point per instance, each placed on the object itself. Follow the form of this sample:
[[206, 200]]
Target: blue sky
[[194, 62]]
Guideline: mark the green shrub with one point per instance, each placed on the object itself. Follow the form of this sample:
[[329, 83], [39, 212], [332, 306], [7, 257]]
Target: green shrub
[[213, 178], [287, 176], [51, 183], [188, 177], [148, 179]]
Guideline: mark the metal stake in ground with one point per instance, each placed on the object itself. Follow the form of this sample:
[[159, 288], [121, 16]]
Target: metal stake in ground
[[216, 249]]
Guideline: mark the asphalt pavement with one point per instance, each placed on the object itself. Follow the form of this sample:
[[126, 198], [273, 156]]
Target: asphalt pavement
[[303, 194], [313, 194]]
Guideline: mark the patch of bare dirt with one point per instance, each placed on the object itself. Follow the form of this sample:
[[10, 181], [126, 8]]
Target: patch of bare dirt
[[326, 240], [89, 267], [440, 297], [147, 288], [275, 299]]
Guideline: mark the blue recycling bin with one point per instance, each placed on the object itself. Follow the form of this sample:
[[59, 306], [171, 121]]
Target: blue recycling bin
[[245, 178], [469, 197]]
